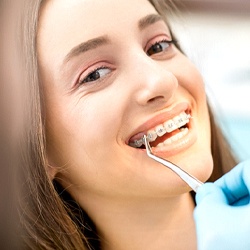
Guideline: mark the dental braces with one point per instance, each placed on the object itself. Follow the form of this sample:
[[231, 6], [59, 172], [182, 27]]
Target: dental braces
[[173, 123]]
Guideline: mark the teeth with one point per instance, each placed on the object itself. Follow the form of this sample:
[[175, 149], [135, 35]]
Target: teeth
[[167, 127], [151, 135], [167, 142], [179, 120], [160, 130], [136, 143], [185, 116], [170, 126], [176, 137]]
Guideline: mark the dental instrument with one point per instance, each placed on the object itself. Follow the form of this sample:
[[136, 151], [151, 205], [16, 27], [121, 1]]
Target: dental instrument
[[188, 178]]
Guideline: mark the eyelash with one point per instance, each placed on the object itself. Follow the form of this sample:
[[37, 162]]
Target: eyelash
[[84, 80], [169, 42]]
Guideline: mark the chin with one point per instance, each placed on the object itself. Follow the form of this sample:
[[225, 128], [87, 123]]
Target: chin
[[200, 164]]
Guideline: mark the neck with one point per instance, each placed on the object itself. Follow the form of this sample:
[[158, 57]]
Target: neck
[[162, 224]]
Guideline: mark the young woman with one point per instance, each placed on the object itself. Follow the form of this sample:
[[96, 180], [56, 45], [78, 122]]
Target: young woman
[[100, 75]]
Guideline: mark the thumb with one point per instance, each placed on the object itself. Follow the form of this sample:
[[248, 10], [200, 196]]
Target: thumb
[[210, 193]]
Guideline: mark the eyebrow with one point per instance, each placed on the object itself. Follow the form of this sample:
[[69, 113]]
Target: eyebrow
[[149, 20], [104, 40], [86, 46]]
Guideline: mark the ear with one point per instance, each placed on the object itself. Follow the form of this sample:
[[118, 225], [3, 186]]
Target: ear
[[51, 172], [51, 168]]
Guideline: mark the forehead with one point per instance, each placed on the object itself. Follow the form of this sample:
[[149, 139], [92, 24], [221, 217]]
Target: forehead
[[89, 18], [65, 23]]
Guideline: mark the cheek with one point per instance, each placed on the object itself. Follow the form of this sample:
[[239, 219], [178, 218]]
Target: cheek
[[100, 119], [79, 131], [192, 81], [189, 77]]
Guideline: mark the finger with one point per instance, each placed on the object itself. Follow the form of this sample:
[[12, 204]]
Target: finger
[[210, 193], [236, 183], [241, 202]]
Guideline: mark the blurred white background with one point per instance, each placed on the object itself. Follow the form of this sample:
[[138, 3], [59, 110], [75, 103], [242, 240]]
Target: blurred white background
[[216, 36]]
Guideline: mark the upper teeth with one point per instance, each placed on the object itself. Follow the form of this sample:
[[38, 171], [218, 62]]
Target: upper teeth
[[166, 127]]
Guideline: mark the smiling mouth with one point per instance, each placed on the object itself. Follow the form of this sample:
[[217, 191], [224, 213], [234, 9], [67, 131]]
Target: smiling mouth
[[166, 133]]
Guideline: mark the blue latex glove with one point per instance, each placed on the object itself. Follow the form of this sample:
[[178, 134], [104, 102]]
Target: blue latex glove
[[222, 215]]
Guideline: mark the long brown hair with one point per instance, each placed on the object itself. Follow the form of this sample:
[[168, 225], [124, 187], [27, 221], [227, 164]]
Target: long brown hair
[[223, 157], [50, 218], [45, 220]]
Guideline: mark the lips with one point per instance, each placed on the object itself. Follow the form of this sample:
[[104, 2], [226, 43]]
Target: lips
[[164, 130], [166, 133]]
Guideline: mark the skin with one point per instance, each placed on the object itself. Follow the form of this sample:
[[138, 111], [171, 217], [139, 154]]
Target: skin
[[89, 125]]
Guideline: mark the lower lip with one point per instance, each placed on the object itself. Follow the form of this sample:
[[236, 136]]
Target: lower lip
[[177, 146]]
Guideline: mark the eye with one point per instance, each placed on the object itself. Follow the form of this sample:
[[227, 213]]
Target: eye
[[159, 47], [95, 75]]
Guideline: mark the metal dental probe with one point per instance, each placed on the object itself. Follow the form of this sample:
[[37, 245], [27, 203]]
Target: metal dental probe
[[188, 178]]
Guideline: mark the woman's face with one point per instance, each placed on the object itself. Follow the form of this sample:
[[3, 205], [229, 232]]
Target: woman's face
[[111, 74]]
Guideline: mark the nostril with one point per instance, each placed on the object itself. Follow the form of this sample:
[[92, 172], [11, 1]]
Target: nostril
[[157, 98]]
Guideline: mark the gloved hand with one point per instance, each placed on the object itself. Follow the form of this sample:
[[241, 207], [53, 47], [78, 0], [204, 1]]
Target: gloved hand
[[222, 215]]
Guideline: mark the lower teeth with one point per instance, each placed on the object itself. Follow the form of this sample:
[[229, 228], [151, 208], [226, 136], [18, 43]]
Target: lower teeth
[[174, 138]]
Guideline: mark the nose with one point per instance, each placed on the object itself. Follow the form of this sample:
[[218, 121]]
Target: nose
[[155, 83]]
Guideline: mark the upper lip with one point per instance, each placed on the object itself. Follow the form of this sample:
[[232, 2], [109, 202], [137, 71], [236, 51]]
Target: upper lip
[[158, 119]]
